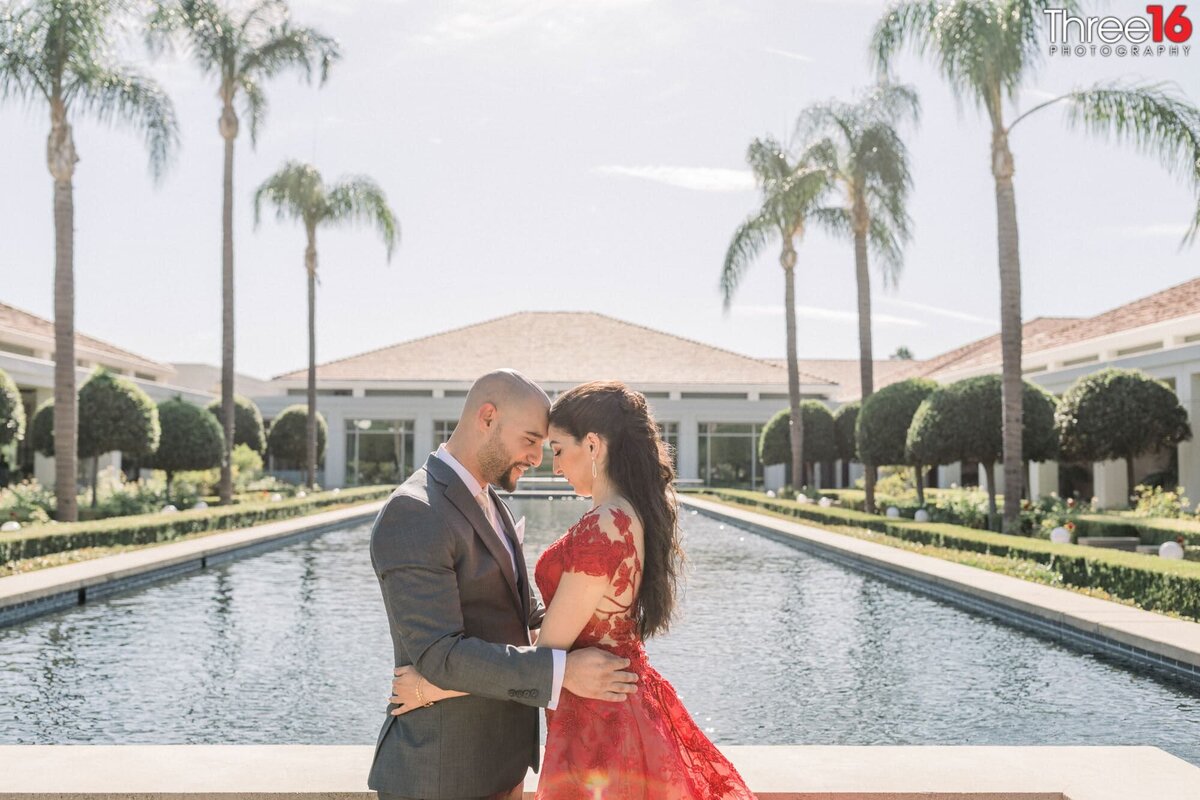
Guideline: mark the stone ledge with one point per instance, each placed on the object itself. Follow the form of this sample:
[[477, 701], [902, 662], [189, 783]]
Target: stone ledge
[[339, 772], [1174, 643]]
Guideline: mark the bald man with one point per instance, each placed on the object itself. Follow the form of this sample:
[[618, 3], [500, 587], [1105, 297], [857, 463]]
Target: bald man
[[463, 614]]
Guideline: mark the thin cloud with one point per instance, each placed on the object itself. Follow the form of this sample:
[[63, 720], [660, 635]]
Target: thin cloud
[[1152, 231], [944, 312], [825, 314], [699, 179], [775, 51]]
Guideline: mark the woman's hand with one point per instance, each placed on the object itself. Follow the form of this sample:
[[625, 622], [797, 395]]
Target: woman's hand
[[405, 686]]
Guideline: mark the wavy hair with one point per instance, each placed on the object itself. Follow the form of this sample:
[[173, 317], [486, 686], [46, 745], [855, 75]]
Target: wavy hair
[[640, 467]]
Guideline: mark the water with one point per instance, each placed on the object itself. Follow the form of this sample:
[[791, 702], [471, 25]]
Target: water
[[772, 646]]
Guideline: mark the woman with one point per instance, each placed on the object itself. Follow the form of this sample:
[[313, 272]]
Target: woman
[[610, 582]]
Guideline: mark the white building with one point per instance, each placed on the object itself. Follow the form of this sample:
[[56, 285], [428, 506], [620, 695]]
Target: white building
[[1158, 334], [27, 355], [389, 407]]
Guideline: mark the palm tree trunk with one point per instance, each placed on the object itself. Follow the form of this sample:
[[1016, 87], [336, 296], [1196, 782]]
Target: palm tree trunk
[[228, 126], [310, 266], [61, 159], [866, 365], [1010, 327], [788, 261]]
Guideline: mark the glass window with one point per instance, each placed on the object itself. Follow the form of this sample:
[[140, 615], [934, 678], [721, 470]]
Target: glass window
[[729, 454], [378, 451], [442, 429]]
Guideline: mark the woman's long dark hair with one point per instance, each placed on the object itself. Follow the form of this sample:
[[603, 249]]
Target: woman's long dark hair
[[640, 467]]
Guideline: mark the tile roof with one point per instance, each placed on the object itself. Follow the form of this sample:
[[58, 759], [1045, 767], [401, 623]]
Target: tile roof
[[24, 322], [986, 351], [556, 347]]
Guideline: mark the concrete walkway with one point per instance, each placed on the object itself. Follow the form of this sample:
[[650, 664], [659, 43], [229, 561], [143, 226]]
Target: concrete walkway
[[1155, 639], [33, 593], [231, 772]]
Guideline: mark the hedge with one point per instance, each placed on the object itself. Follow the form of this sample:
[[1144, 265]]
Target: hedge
[[1149, 531], [151, 528], [1153, 583]]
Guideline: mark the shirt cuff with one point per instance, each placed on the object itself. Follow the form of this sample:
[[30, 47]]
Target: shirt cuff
[[560, 671]]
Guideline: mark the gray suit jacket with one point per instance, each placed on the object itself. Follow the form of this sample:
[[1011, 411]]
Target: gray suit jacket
[[459, 614]]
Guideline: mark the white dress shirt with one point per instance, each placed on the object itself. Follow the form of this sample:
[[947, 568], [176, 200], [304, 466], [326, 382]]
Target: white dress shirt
[[488, 506]]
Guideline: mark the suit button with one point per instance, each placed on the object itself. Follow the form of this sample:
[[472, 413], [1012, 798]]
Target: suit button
[[512, 692], [533, 692]]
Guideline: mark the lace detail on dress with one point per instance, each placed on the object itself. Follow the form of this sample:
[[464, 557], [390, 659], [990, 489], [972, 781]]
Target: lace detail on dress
[[648, 747]]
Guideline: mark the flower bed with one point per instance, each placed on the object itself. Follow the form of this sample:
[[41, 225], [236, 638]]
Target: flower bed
[[1153, 583], [45, 539]]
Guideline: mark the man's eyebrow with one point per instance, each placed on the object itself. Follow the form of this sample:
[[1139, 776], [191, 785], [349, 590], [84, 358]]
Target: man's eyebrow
[[535, 434]]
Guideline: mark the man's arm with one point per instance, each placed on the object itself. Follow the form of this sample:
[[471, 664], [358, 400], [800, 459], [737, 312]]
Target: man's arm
[[415, 565]]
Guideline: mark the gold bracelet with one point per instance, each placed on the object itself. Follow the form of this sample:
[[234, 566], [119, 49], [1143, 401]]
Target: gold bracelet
[[420, 697]]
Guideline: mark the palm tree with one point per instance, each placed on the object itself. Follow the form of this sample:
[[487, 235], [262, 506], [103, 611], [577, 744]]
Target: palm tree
[[790, 192], [59, 51], [242, 48], [986, 50], [867, 161], [298, 192]]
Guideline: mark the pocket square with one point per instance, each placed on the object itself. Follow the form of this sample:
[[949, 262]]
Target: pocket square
[[519, 529]]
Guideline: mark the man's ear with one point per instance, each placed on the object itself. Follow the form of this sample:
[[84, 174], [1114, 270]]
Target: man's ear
[[487, 414]]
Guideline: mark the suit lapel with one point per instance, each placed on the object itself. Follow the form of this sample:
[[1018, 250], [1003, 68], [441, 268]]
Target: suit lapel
[[458, 494], [510, 530]]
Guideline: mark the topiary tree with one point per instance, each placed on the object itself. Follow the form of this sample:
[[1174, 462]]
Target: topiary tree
[[288, 437], [845, 419], [961, 422], [12, 411], [41, 429], [191, 439], [774, 443], [882, 429], [247, 423], [1119, 413], [115, 414]]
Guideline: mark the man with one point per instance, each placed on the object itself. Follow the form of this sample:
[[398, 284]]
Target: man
[[461, 610]]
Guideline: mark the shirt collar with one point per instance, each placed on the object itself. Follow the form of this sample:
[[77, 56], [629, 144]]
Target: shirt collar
[[463, 473]]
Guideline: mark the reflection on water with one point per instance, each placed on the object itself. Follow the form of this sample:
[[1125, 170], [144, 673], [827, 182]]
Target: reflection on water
[[772, 646]]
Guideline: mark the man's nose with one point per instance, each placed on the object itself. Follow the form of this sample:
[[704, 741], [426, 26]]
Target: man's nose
[[536, 460]]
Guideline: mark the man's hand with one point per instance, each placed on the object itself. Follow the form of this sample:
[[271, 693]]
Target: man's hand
[[598, 674]]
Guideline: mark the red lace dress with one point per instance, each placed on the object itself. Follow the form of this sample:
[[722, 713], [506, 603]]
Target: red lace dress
[[647, 747]]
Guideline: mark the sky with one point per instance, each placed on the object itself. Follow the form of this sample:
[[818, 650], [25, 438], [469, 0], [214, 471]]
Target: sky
[[581, 155]]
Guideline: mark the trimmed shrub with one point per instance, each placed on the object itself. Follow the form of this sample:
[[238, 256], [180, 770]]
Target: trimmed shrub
[[883, 423], [1119, 413], [151, 528], [114, 414], [247, 423], [845, 421], [12, 411], [191, 439], [1153, 583], [288, 438], [962, 422], [41, 429], [774, 443]]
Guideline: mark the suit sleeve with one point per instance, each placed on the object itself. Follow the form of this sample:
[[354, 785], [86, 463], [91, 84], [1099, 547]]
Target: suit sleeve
[[414, 562]]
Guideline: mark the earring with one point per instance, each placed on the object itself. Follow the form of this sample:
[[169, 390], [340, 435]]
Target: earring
[[593, 469]]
